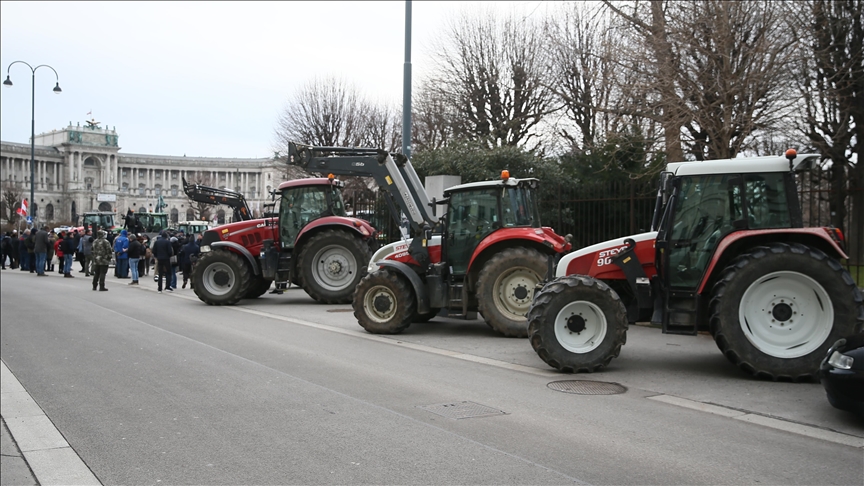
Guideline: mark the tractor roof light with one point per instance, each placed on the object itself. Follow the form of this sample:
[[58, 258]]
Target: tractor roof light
[[505, 174]]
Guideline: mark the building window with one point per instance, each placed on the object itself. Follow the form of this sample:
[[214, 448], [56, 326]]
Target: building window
[[125, 172], [159, 174], [141, 189], [124, 187], [142, 174], [175, 215], [158, 190], [142, 209], [174, 190], [174, 175]]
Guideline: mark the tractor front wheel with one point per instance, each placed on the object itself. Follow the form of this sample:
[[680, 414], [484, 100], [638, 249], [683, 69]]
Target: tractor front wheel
[[221, 277], [505, 289], [777, 309], [577, 324], [384, 303], [331, 264]]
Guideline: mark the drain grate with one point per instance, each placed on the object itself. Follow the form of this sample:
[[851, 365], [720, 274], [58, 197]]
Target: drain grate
[[587, 387], [462, 410]]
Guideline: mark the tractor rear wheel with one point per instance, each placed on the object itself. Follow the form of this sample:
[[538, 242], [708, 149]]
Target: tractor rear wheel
[[221, 277], [384, 303], [258, 287], [505, 289], [331, 264], [577, 323], [776, 310]]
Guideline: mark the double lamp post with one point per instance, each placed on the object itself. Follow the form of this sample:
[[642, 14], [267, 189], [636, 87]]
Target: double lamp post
[[57, 90]]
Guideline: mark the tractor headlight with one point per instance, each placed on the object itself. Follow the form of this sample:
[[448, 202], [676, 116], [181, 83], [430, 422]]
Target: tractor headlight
[[205, 248]]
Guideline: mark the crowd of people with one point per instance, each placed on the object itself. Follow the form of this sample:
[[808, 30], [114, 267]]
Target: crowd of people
[[42, 251]]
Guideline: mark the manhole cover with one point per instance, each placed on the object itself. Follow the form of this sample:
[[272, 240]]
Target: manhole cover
[[340, 310], [587, 387], [462, 410]]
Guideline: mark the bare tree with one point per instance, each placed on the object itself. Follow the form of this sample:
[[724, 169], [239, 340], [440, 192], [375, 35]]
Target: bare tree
[[11, 202], [491, 72], [380, 126], [581, 60], [831, 87], [717, 70], [325, 112], [433, 118]]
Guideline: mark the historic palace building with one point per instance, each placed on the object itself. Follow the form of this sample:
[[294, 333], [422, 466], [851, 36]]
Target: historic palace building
[[80, 169]]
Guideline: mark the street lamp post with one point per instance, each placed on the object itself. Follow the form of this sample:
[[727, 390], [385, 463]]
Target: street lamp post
[[57, 90]]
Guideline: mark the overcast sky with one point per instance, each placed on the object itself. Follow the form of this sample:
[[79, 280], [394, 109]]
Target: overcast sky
[[204, 78]]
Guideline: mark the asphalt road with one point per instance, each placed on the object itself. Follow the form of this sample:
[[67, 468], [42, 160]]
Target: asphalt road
[[154, 388]]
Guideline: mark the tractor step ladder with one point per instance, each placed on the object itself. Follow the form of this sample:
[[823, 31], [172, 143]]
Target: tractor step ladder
[[681, 313]]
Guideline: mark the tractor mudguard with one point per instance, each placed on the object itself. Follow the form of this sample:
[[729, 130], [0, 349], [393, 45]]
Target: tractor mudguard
[[411, 275], [818, 232], [543, 236], [239, 249], [362, 228]]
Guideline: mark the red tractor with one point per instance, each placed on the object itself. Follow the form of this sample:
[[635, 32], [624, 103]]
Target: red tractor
[[727, 253], [310, 242]]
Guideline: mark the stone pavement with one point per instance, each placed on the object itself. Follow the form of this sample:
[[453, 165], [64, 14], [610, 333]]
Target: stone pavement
[[34, 451], [13, 467]]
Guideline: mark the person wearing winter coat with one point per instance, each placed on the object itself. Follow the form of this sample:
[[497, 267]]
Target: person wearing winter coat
[[163, 251], [30, 244], [40, 248], [87, 251], [135, 250], [101, 257], [58, 250], [68, 254], [49, 258], [190, 252], [121, 249]]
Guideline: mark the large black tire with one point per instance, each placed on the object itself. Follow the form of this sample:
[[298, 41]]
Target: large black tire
[[577, 324], [258, 287], [384, 302], [221, 277], [331, 265], [777, 309], [505, 289]]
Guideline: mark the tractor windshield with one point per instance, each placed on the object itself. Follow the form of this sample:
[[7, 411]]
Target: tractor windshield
[[519, 208], [104, 221], [301, 205]]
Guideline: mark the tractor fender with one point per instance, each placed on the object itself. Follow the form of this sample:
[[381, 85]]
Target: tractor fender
[[783, 234], [419, 287], [358, 226], [239, 249], [551, 243]]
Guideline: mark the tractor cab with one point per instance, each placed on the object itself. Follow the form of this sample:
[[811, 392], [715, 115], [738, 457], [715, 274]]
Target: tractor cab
[[305, 200], [705, 204], [478, 209], [103, 220]]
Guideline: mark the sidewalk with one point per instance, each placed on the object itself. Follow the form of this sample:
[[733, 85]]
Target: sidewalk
[[34, 451]]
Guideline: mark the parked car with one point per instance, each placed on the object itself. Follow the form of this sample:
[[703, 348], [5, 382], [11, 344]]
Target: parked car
[[842, 374]]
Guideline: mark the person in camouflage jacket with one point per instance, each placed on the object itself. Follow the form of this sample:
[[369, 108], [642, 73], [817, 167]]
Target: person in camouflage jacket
[[101, 255]]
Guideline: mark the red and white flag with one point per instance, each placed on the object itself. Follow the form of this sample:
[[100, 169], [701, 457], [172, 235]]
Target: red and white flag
[[23, 209]]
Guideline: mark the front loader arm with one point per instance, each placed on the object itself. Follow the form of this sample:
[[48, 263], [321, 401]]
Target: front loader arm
[[393, 173], [212, 195]]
